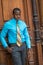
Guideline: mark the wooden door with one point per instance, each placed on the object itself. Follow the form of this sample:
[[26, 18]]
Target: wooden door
[[41, 22], [6, 7]]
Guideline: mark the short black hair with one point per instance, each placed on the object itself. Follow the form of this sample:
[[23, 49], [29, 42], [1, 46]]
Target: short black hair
[[15, 10]]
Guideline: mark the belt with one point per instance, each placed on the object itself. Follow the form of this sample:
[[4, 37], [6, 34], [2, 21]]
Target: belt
[[14, 44]]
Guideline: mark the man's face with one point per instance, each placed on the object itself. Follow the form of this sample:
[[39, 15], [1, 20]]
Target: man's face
[[17, 15]]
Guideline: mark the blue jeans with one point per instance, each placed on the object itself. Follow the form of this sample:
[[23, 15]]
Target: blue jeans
[[19, 54]]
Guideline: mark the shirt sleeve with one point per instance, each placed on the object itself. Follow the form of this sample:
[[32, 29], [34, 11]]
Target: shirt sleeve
[[3, 35], [27, 37]]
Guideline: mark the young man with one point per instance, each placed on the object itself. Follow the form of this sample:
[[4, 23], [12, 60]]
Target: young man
[[18, 38]]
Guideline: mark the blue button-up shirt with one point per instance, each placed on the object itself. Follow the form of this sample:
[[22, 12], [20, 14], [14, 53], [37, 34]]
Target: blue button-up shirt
[[9, 29]]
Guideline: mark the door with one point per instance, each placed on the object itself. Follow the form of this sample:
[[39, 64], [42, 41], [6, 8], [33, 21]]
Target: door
[[6, 7], [41, 22]]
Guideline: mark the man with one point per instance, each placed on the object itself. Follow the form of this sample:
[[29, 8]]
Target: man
[[18, 38]]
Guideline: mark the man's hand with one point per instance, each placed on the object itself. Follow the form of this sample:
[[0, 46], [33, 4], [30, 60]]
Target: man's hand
[[28, 53], [9, 49]]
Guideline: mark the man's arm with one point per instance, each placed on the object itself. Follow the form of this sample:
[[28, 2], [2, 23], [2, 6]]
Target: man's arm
[[27, 38], [3, 40], [3, 35], [28, 42]]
